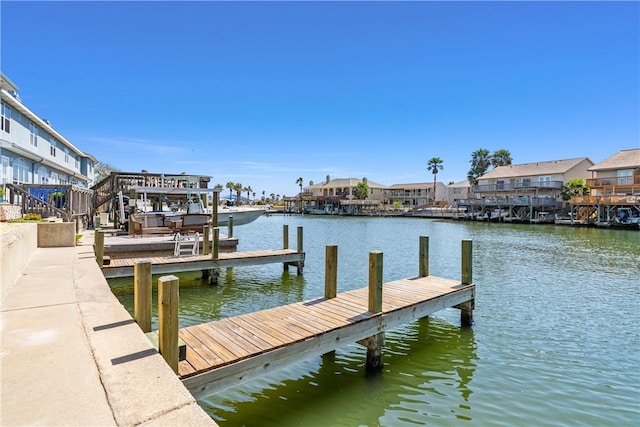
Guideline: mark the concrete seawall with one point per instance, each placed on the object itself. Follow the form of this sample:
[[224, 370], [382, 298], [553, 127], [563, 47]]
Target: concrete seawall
[[71, 353], [17, 243]]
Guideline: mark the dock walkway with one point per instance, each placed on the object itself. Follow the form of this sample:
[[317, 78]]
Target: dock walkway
[[223, 353], [72, 355], [124, 267]]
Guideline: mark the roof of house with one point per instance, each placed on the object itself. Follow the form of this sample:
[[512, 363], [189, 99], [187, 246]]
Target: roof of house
[[460, 184], [623, 159], [551, 167], [345, 183], [412, 185]]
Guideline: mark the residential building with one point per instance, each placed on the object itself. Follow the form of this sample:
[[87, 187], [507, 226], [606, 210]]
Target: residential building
[[617, 175], [336, 196], [32, 151], [458, 191], [412, 195], [524, 191]]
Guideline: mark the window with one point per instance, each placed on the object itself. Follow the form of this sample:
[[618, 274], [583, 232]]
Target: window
[[77, 164], [33, 135], [5, 118], [545, 181], [499, 185], [526, 182], [53, 148], [66, 155], [625, 177], [5, 170], [20, 172], [44, 176]]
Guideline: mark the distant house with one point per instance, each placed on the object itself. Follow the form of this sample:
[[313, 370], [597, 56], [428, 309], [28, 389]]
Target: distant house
[[32, 151], [458, 191], [527, 192], [617, 175], [415, 194], [337, 196], [538, 180]]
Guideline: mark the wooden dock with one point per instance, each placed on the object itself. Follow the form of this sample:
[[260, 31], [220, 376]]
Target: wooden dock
[[226, 352], [124, 267]]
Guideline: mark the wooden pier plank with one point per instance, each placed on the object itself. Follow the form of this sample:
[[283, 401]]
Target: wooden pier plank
[[314, 326]]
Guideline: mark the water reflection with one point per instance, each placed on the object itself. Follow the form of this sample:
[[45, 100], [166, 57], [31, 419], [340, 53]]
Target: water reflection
[[427, 364]]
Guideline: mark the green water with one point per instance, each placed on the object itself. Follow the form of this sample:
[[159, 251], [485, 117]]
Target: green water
[[556, 338]]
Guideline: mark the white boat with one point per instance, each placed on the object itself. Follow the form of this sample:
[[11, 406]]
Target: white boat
[[193, 204]]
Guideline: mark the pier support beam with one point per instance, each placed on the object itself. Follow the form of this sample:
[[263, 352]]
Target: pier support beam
[[168, 320], [300, 250], [374, 343], [466, 308], [331, 271], [142, 294], [423, 255], [99, 247]]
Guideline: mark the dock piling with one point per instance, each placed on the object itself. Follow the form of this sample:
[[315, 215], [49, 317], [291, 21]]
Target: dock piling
[[99, 247], [206, 244], [374, 343], [424, 256], [230, 227], [466, 308], [300, 249], [331, 271], [142, 294], [168, 320], [285, 236]]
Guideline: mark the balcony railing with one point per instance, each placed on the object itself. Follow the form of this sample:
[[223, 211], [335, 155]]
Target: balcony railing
[[518, 186], [511, 201], [621, 181]]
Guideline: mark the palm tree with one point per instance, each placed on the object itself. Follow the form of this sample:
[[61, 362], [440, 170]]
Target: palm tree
[[238, 187], [230, 185], [263, 192], [299, 181], [248, 190], [434, 166], [501, 157], [574, 188], [480, 162]]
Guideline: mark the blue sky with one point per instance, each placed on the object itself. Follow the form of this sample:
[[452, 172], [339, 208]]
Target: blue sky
[[262, 93]]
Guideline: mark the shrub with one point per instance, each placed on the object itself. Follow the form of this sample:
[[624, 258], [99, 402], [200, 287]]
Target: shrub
[[32, 217]]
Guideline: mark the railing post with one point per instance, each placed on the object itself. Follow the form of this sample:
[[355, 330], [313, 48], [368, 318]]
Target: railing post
[[466, 308], [424, 256], [374, 343], [331, 271], [99, 247], [230, 226], [168, 304], [142, 294], [206, 244], [285, 236]]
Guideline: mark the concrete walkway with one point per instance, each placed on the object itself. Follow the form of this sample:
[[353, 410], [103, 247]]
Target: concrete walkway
[[72, 355]]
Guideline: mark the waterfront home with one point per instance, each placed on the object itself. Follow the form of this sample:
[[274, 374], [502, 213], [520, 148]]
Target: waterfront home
[[458, 191], [618, 175], [32, 151], [413, 195], [523, 192], [42, 171], [335, 196], [614, 198]]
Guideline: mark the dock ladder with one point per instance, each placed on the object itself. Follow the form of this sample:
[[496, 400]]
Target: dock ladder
[[186, 244]]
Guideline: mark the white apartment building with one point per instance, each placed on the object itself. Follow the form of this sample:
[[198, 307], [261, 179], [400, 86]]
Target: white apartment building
[[33, 152]]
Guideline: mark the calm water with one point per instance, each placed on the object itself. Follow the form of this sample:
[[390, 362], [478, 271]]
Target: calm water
[[556, 338]]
